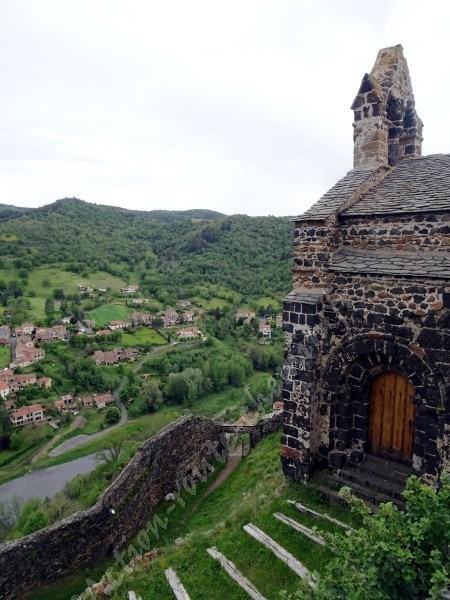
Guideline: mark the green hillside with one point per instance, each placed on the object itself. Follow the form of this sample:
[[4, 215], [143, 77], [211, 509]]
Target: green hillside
[[165, 251]]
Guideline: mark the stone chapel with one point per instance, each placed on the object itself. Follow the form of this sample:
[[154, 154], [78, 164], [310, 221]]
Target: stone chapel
[[367, 325]]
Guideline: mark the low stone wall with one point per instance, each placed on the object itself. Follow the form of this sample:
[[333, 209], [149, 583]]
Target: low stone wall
[[89, 536], [267, 426]]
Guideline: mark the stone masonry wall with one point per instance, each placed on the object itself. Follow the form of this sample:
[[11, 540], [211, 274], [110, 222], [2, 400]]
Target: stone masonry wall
[[404, 233], [368, 324], [86, 537], [313, 245]]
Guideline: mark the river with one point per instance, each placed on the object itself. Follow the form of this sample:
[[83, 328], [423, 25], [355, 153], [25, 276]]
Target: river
[[45, 483]]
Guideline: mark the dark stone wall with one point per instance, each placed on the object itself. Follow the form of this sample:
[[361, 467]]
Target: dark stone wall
[[86, 537], [405, 232], [342, 329]]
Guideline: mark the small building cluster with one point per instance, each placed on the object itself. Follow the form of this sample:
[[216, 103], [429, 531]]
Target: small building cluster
[[113, 357]]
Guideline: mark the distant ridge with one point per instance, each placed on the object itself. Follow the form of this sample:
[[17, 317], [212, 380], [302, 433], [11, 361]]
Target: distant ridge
[[175, 251], [165, 215]]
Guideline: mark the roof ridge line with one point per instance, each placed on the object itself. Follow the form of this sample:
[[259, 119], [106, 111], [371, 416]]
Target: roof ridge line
[[366, 186]]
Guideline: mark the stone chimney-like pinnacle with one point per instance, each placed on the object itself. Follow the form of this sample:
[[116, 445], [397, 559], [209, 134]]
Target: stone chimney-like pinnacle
[[386, 127]]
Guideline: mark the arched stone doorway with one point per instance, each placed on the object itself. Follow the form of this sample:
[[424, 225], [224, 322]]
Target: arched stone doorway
[[347, 384], [392, 417]]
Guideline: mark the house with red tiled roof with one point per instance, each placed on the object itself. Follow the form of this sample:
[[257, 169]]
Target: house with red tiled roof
[[26, 357], [115, 325], [4, 389], [87, 401], [65, 404], [265, 330], [6, 375], [48, 334], [188, 333], [141, 318], [27, 414], [24, 329], [130, 289], [170, 317], [102, 400], [105, 357]]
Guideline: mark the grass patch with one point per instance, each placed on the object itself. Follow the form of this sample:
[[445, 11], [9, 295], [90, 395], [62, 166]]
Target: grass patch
[[109, 312], [252, 493], [68, 281], [37, 308], [25, 442], [144, 336], [209, 304], [5, 356]]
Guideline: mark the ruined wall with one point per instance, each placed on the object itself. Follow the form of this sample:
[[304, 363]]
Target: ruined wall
[[86, 537]]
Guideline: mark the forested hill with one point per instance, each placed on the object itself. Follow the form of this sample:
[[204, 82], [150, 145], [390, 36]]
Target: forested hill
[[172, 250]]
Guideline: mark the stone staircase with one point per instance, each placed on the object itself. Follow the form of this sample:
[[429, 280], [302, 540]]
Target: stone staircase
[[374, 479]]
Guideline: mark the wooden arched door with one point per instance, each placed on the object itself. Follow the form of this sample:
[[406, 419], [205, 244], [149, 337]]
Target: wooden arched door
[[391, 425]]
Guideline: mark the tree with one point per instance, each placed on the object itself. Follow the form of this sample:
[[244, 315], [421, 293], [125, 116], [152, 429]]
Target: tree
[[5, 420], [112, 452], [9, 511], [176, 388], [396, 554], [157, 323], [49, 306], [112, 415], [152, 395], [5, 441], [36, 520], [58, 294]]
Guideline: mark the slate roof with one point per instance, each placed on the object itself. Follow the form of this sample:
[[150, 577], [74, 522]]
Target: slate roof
[[416, 264], [337, 195], [306, 295], [415, 185]]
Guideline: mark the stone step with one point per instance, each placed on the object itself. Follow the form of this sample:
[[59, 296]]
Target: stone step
[[370, 495], [236, 575], [396, 473], [331, 485], [281, 553], [369, 480]]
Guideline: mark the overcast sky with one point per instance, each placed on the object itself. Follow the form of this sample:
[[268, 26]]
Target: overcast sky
[[240, 106]]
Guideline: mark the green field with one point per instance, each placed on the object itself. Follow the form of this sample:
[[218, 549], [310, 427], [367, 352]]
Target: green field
[[68, 281], [37, 308], [5, 356], [144, 336], [109, 312]]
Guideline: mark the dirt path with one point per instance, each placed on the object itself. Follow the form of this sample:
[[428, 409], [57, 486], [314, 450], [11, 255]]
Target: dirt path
[[234, 458]]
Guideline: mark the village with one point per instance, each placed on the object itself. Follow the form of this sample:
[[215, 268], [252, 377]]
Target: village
[[27, 341]]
